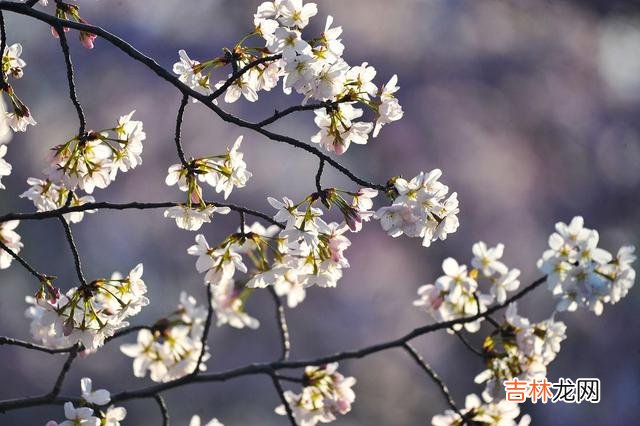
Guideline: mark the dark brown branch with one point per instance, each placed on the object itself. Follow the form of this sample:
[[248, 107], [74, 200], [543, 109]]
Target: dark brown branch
[[125, 206], [468, 344], [15, 342], [434, 376], [63, 372], [163, 409], [269, 368], [169, 77], [205, 331], [239, 73], [179, 117], [319, 176], [283, 399], [3, 43], [49, 398], [72, 87], [40, 276], [298, 108], [285, 343], [74, 251]]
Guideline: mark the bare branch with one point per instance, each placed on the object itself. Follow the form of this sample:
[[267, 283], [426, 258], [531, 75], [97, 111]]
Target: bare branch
[[163, 409], [74, 251], [239, 73], [179, 117], [287, 407], [126, 206], [72, 87], [285, 343], [40, 276], [434, 376], [169, 77]]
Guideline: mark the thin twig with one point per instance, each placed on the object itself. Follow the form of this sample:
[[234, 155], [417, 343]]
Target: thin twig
[[72, 87], [298, 108], [16, 342], [183, 105], [319, 176], [125, 47], [163, 409], [468, 344], [205, 331], [285, 343], [239, 73], [126, 206], [40, 276], [3, 44], [283, 399], [74, 251], [63, 372], [434, 376]]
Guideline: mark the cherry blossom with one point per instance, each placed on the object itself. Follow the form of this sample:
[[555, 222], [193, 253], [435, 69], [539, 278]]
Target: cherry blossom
[[87, 314], [171, 349], [5, 167], [325, 395], [10, 238], [91, 411], [501, 413], [421, 209], [195, 421], [579, 273]]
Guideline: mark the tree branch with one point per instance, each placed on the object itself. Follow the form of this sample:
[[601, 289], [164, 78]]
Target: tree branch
[[74, 251], [163, 409], [285, 343], [125, 206], [125, 47], [72, 87], [434, 376]]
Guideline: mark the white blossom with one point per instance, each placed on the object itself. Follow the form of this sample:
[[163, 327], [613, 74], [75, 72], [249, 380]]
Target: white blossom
[[172, 348], [501, 413], [11, 62], [195, 421], [421, 209], [580, 274], [192, 218], [10, 238], [88, 315], [228, 304], [5, 167]]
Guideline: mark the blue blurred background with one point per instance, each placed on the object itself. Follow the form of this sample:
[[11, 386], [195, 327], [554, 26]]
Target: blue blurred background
[[529, 107]]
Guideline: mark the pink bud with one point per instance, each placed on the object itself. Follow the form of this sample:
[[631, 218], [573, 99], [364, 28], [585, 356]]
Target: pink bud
[[87, 39], [67, 328], [51, 423], [54, 32]]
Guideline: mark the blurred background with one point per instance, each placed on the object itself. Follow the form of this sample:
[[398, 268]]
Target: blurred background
[[529, 107]]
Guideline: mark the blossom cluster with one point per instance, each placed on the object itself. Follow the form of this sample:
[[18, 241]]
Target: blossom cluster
[[71, 12], [20, 117], [519, 349], [487, 412], [313, 67], [578, 272], [456, 294], [223, 172], [581, 274], [93, 160], [421, 208], [92, 410], [325, 394], [172, 347], [88, 314]]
